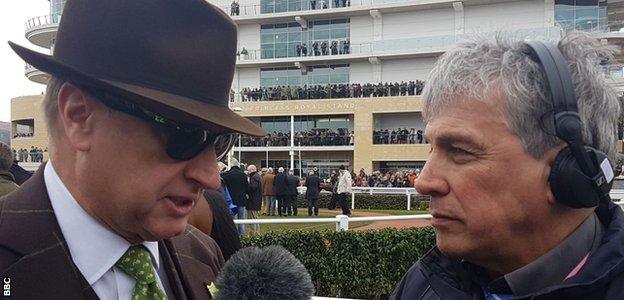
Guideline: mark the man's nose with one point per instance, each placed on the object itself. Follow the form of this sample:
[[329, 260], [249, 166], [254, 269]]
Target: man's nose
[[431, 181], [203, 170]]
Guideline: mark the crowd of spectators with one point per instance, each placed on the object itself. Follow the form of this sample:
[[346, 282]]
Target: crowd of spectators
[[33, 155], [23, 135], [353, 90], [386, 179], [322, 48], [399, 136], [323, 4], [314, 137]]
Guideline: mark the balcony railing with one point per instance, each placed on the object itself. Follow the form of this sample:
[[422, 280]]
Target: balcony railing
[[42, 21], [303, 5], [389, 46], [302, 141]]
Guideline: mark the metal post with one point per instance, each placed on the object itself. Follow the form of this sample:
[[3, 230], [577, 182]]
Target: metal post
[[267, 154], [239, 148], [342, 223], [352, 200], [300, 168], [409, 199]]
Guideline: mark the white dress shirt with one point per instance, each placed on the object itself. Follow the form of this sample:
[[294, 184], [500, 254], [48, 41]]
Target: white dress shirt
[[94, 248]]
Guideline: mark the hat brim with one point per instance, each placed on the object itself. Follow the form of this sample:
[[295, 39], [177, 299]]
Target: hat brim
[[179, 108]]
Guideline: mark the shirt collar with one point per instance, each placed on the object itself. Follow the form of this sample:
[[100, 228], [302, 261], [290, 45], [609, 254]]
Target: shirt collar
[[94, 248]]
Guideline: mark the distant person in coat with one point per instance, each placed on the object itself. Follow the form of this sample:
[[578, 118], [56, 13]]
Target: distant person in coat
[[7, 181], [236, 182], [280, 186], [268, 191], [291, 191], [313, 188], [254, 193], [344, 188]]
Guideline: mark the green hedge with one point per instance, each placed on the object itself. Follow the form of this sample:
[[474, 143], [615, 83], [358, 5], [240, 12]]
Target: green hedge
[[366, 201], [352, 264]]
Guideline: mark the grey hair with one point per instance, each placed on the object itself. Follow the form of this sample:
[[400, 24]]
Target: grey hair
[[6, 157], [252, 168], [280, 170], [270, 170], [481, 68], [50, 104]]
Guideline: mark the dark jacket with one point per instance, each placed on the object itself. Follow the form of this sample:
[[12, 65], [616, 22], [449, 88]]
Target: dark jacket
[[254, 192], [313, 186], [602, 277], [224, 230], [280, 184], [7, 183], [293, 183], [34, 254], [237, 185]]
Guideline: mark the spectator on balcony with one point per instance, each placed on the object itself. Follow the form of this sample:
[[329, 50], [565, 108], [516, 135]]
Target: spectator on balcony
[[292, 182], [323, 4], [334, 45], [304, 49], [281, 186], [344, 3], [347, 47], [313, 4], [419, 136], [336, 3], [324, 48], [254, 193], [245, 53], [7, 181], [315, 48], [268, 189], [534, 235], [298, 50]]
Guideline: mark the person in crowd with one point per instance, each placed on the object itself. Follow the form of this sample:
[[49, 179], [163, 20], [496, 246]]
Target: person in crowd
[[281, 186], [304, 49], [333, 181], [315, 47], [237, 185], [268, 191], [323, 4], [334, 46], [7, 181], [313, 4], [108, 195], [233, 8], [313, 189], [292, 182], [254, 202], [549, 231], [212, 216], [343, 189], [324, 47]]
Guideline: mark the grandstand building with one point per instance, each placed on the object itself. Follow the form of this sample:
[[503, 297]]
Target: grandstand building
[[327, 78]]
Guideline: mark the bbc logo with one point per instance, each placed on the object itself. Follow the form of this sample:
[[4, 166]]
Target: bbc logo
[[6, 287]]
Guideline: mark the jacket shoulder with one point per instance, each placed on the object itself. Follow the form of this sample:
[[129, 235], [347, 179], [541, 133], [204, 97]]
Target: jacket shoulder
[[195, 247]]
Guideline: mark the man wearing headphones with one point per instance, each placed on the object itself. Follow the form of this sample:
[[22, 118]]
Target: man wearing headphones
[[522, 134]]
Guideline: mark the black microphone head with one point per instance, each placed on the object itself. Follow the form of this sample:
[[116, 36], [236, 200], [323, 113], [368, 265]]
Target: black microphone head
[[269, 273]]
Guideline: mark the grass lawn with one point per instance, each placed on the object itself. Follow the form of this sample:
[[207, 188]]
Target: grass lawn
[[303, 214], [397, 212]]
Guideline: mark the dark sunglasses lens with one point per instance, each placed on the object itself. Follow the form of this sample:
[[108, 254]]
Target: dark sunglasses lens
[[184, 146], [188, 145]]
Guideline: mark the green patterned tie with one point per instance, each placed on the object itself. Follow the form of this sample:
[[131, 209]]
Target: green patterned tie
[[137, 262]]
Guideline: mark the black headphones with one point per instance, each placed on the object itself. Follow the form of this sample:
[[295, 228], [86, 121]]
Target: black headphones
[[581, 176]]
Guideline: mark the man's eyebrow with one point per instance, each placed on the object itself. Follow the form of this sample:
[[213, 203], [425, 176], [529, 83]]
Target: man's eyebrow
[[451, 138]]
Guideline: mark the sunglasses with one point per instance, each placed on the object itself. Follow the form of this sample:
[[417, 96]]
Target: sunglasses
[[183, 141]]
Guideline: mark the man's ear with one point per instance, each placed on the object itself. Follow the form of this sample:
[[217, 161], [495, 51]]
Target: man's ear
[[76, 110], [549, 158]]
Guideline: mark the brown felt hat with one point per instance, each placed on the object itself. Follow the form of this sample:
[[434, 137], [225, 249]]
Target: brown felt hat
[[175, 58]]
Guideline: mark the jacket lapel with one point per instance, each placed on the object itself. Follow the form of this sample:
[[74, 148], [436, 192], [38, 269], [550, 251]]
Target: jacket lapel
[[39, 263]]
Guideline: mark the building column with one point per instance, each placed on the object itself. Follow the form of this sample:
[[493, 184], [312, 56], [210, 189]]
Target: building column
[[377, 24], [549, 13], [363, 131], [377, 70], [292, 143], [459, 18]]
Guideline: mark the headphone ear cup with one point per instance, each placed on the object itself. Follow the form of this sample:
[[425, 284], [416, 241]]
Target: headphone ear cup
[[569, 184]]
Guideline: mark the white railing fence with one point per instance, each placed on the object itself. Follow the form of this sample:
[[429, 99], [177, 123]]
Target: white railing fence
[[408, 192], [341, 221]]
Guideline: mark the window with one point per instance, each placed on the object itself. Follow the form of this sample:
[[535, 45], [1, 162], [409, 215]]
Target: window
[[323, 74], [586, 15], [281, 40]]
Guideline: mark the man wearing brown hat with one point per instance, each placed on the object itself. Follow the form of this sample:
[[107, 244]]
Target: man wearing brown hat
[[137, 113]]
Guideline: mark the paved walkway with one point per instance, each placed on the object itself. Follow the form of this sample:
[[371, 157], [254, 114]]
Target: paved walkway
[[381, 224]]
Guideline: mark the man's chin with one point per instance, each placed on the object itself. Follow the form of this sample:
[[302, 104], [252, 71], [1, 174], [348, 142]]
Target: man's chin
[[163, 232]]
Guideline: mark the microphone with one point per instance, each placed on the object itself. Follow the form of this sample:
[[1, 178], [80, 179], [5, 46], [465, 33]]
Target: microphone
[[264, 274]]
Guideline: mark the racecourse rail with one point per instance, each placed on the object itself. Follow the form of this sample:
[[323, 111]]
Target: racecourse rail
[[342, 221]]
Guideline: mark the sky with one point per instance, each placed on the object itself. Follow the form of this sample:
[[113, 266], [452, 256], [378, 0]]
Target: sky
[[13, 83]]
